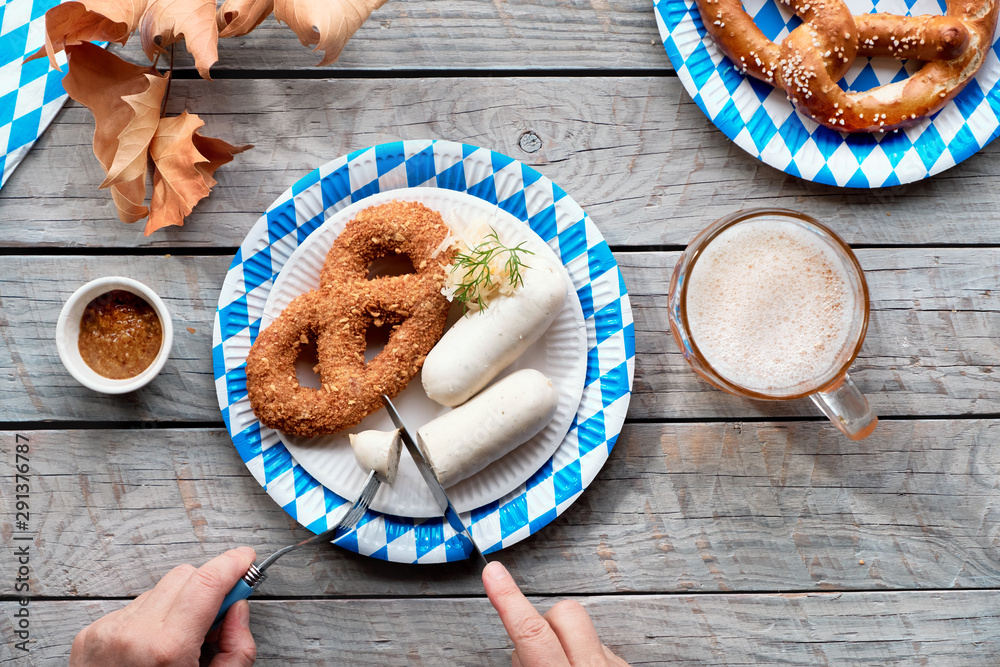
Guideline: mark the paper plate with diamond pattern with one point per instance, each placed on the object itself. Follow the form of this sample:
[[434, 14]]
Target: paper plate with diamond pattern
[[763, 122], [530, 197], [31, 94]]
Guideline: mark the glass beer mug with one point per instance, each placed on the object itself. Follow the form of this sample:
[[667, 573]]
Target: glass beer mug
[[770, 304]]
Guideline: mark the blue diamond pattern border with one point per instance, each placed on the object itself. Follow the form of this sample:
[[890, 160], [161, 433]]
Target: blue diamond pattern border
[[548, 211], [31, 94], [779, 136]]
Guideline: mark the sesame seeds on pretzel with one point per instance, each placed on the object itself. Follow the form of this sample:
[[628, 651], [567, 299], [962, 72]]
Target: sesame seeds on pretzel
[[815, 55]]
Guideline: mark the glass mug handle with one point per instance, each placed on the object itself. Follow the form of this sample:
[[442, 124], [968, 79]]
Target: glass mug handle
[[847, 408]]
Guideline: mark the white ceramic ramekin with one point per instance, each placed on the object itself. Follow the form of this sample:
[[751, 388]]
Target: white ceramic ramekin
[[68, 334]]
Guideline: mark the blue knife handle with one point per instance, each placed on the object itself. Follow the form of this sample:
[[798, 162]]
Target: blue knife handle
[[241, 591]]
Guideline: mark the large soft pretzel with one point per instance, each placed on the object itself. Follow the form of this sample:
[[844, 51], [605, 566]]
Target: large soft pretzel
[[813, 57], [337, 316]]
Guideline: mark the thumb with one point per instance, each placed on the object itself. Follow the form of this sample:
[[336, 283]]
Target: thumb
[[236, 645]]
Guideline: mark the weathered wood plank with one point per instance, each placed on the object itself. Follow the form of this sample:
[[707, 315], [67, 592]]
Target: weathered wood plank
[[677, 508], [930, 345], [464, 34], [930, 350], [635, 152], [956, 629]]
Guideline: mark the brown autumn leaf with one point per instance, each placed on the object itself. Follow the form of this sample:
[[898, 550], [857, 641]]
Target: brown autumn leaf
[[217, 153], [165, 22], [89, 21], [326, 23], [185, 164], [125, 100], [238, 17], [130, 200], [131, 161]]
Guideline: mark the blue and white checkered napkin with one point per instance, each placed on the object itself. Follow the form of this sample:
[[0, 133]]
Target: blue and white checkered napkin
[[31, 94]]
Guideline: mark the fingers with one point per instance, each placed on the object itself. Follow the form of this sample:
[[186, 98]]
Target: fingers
[[236, 645], [157, 602], [564, 636], [534, 641], [167, 624], [199, 599], [613, 659], [135, 604], [572, 625]]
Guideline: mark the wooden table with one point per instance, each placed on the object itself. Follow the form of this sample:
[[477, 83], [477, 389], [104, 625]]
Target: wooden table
[[720, 531]]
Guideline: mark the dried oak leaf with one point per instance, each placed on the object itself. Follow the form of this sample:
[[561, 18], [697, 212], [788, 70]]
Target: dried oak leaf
[[185, 164], [326, 23], [83, 21], [167, 21], [238, 17], [125, 100]]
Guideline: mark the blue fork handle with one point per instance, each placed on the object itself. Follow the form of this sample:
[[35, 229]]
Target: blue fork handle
[[241, 591]]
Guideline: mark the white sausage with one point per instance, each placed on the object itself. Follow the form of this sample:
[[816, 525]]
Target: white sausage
[[460, 443], [483, 343], [378, 451]]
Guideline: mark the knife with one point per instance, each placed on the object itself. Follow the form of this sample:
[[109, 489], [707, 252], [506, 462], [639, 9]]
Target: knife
[[440, 496]]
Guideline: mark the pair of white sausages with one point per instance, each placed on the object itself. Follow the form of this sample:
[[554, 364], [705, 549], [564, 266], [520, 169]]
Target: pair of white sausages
[[468, 357], [460, 443]]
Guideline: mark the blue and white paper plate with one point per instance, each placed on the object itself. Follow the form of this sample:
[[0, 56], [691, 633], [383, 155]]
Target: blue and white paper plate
[[31, 94], [763, 122], [551, 214]]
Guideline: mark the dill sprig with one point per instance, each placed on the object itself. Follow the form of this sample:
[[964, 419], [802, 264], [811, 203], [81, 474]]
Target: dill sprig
[[478, 280]]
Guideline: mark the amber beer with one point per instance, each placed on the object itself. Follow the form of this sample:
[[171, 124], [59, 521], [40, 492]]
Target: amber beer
[[770, 304]]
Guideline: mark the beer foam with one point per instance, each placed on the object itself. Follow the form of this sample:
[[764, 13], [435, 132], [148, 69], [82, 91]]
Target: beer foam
[[771, 306]]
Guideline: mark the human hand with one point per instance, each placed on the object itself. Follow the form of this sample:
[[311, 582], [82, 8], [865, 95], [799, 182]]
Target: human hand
[[565, 636], [167, 625]]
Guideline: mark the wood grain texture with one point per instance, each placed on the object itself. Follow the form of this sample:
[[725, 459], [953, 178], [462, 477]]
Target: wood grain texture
[[721, 543], [930, 350], [463, 34], [956, 629], [930, 346], [720, 507], [636, 152]]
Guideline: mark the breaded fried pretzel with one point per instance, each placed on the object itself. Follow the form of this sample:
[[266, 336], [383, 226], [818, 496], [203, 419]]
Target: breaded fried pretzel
[[337, 316]]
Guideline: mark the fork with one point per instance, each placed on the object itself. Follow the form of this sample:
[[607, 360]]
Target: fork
[[249, 582]]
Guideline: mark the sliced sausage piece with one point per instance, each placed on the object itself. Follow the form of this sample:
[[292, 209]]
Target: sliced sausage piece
[[460, 443], [378, 451]]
